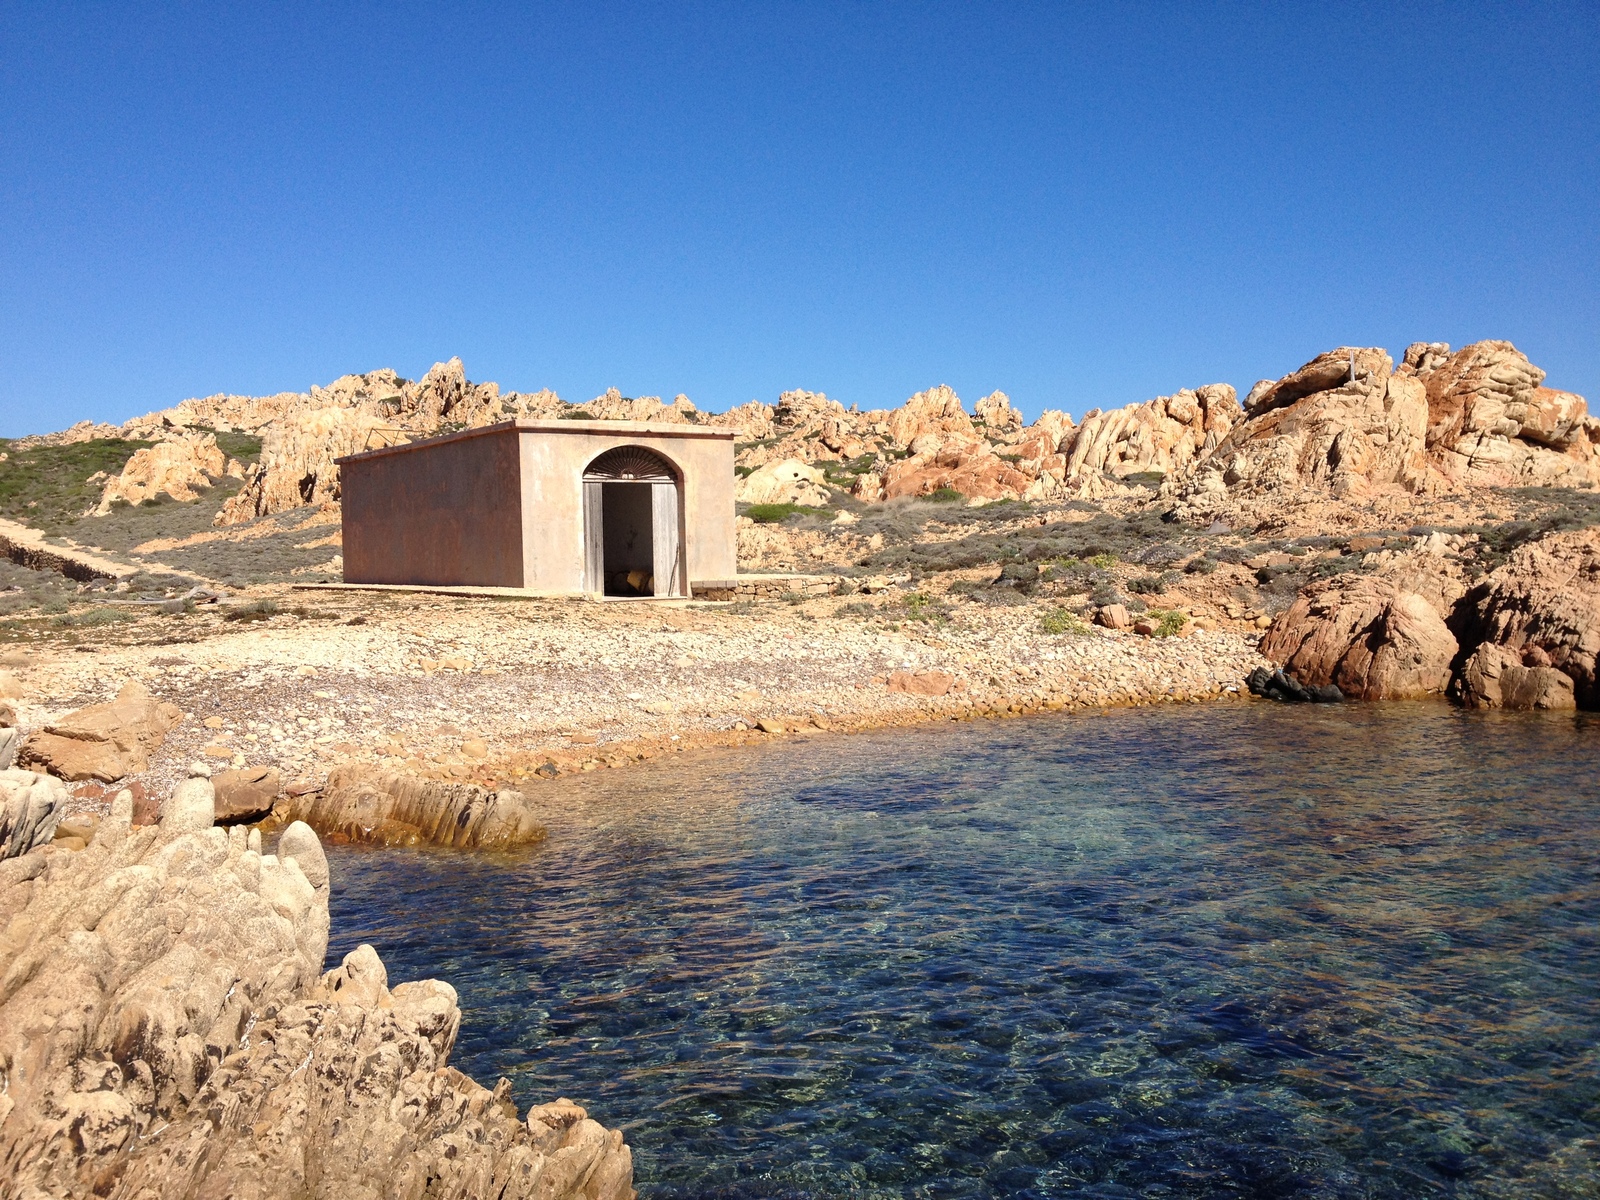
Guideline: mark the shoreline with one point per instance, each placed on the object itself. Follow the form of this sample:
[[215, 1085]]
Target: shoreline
[[515, 694]]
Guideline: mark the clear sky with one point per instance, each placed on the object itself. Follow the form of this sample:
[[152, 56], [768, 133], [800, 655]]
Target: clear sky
[[1082, 205]]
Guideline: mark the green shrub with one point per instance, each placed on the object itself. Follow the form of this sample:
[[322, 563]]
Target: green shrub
[[1147, 585], [919, 606], [773, 514], [1169, 622], [1103, 561], [945, 495], [1062, 620]]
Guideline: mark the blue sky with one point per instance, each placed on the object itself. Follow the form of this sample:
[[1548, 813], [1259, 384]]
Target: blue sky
[[1081, 205]]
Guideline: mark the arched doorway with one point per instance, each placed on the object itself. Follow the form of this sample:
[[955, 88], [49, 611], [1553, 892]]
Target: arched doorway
[[632, 531]]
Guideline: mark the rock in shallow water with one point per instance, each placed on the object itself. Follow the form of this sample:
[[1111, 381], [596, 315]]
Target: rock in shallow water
[[1278, 685]]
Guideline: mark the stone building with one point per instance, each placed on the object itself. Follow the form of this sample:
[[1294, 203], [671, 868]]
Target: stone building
[[614, 508]]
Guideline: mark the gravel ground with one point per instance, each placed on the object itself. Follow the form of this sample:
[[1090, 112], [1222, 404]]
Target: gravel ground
[[515, 692]]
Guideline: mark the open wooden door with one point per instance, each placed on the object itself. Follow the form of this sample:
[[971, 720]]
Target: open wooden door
[[594, 538], [666, 542]]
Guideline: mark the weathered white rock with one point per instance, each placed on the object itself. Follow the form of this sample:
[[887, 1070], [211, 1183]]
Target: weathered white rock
[[191, 807], [176, 466], [30, 808], [788, 482], [164, 1031]]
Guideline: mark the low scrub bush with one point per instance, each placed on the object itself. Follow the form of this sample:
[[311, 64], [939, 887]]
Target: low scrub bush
[[1062, 620], [1169, 622], [256, 610], [90, 618], [774, 514]]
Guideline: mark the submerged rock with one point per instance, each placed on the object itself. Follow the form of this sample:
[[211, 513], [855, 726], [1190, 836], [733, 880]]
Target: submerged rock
[[387, 809], [1277, 685], [165, 1031]]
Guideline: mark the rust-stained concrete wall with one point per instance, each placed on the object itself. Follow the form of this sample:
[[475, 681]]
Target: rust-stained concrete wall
[[446, 513], [439, 512]]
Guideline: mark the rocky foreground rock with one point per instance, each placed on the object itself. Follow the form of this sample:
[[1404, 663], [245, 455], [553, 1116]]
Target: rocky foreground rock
[[1526, 636], [1365, 636], [166, 1031]]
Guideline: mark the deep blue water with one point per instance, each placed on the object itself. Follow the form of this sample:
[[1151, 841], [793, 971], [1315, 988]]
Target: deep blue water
[[1230, 950]]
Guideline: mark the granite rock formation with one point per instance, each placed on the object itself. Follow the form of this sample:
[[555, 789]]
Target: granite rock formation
[[102, 741], [306, 433], [1365, 636], [175, 467], [787, 482], [165, 1031], [1164, 435], [1543, 606], [31, 807], [1491, 422], [1343, 423], [1497, 677]]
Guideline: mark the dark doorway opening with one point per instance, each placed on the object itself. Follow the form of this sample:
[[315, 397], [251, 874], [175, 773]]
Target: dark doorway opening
[[629, 542]]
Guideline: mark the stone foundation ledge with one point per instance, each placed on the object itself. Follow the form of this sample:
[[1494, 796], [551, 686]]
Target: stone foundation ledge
[[763, 587]]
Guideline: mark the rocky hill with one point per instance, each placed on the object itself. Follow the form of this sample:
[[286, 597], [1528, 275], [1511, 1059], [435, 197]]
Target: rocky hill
[[1349, 424]]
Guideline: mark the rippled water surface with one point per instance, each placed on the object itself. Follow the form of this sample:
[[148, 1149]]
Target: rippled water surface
[[1242, 950]]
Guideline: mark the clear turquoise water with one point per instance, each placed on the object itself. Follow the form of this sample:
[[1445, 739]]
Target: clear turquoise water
[[1234, 950]]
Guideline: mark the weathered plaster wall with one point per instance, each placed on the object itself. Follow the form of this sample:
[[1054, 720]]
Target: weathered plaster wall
[[554, 454], [447, 514]]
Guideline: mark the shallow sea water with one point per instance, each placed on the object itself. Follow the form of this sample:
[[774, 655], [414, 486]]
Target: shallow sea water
[[1242, 950]]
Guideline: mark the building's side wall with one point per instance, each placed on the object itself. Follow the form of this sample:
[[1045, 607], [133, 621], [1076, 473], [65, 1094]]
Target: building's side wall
[[552, 499], [443, 514]]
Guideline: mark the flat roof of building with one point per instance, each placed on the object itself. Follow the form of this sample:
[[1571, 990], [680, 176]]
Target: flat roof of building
[[610, 428]]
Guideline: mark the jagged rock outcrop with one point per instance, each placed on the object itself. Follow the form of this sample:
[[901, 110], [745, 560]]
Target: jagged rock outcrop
[[1166, 434], [297, 462], [1366, 637], [303, 438], [614, 406], [968, 466], [788, 482], [165, 1031], [1342, 423], [364, 805], [1491, 422], [102, 741], [176, 466], [1543, 606], [930, 419], [997, 415]]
